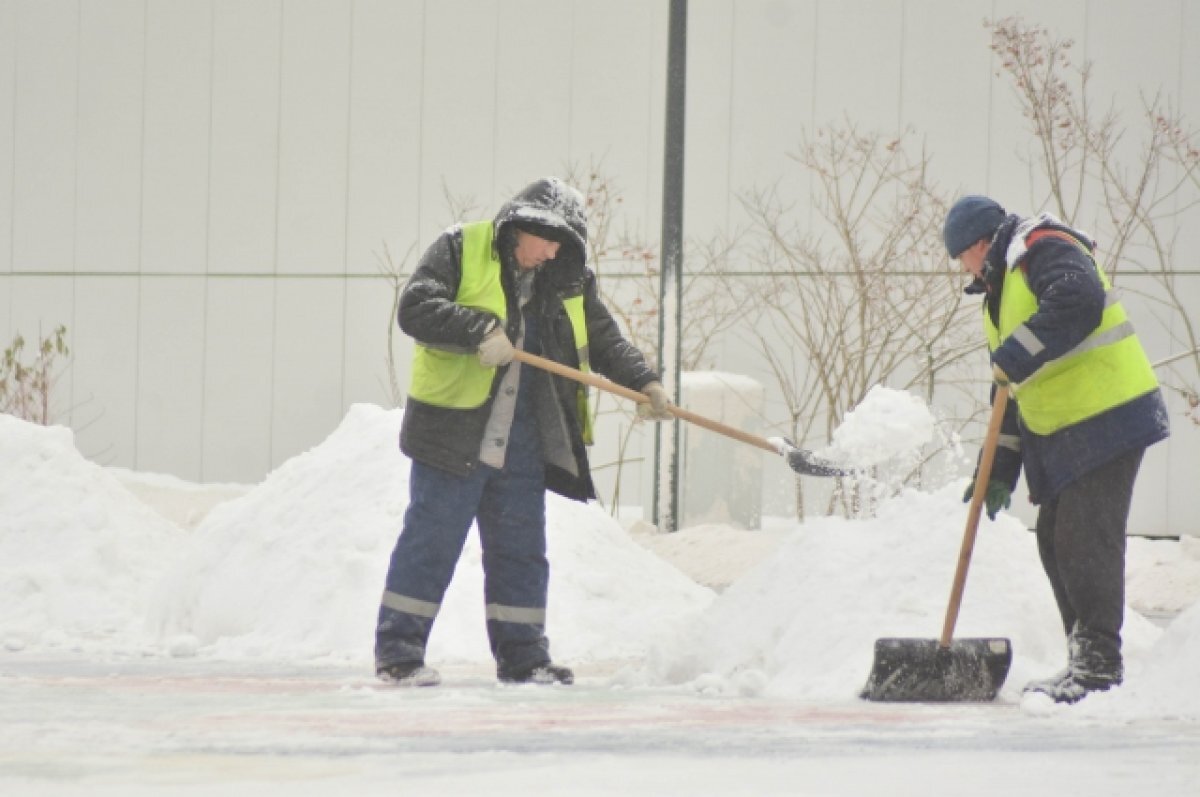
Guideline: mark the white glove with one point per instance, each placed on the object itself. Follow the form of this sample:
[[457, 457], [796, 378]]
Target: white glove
[[495, 349], [656, 409]]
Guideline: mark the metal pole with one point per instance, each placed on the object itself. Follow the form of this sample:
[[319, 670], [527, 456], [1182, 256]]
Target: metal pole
[[666, 444]]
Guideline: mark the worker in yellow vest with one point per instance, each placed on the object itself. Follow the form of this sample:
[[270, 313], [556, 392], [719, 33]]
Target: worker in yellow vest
[[1086, 406], [488, 436]]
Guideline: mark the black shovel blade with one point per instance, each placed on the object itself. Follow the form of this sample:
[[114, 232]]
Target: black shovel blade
[[806, 463], [922, 671]]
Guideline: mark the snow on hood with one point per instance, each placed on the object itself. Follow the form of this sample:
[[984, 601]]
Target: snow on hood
[[549, 202]]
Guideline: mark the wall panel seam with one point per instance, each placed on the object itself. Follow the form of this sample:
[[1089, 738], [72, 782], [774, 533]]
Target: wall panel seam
[[275, 243], [204, 338], [346, 202], [75, 196]]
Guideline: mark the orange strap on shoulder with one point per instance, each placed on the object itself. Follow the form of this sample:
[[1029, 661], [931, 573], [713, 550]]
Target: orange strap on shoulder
[[1038, 235]]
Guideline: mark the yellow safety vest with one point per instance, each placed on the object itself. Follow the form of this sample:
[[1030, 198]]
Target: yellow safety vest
[[1107, 369], [574, 308], [458, 381]]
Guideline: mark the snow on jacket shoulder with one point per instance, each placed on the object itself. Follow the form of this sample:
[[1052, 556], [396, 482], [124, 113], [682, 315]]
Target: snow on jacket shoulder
[[427, 310], [1070, 296], [1070, 300]]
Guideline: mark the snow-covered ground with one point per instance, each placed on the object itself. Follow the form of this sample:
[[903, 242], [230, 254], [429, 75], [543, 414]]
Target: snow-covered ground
[[164, 637]]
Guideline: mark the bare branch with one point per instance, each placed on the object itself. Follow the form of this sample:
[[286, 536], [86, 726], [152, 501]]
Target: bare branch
[[865, 298], [1141, 196]]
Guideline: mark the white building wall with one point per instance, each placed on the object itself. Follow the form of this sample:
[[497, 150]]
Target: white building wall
[[201, 190]]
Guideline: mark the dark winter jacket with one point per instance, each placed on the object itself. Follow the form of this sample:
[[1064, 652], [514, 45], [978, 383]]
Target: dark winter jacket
[[1070, 304], [450, 439]]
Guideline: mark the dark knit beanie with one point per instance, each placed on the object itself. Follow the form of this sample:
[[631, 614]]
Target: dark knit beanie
[[970, 219], [546, 232]]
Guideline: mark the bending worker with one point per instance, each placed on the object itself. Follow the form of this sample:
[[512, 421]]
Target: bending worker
[[1087, 405]]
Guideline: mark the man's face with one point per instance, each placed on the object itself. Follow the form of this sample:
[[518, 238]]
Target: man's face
[[532, 251], [972, 258]]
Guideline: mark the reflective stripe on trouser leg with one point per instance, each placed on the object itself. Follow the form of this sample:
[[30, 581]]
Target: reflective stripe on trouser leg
[[512, 531], [440, 511]]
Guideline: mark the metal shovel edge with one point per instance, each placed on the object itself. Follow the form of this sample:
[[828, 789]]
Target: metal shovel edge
[[946, 669]]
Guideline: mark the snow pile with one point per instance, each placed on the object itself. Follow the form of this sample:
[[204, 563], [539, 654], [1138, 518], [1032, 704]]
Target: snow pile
[[1167, 686], [885, 425], [295, 567], [182, 502], [803, 623], [713, 554], [285, 569], [78, 553], [1163, 575], [1161, 683]]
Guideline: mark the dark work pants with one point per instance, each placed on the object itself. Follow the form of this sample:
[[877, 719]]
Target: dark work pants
[[509, 506], [1081, 540]]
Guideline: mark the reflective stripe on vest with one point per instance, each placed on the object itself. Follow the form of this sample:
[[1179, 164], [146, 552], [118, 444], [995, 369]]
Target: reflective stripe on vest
[[574, 308], [1107, 369], [458, 381], [452, 380]]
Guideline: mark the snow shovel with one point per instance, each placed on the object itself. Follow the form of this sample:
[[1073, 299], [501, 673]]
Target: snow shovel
[[946, 670], [799, 459]]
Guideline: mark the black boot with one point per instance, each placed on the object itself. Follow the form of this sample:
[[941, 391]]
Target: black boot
[[546, 673], [1044, 685], [1095, 667], [1071, 689], [1095, 659], [408, 673]]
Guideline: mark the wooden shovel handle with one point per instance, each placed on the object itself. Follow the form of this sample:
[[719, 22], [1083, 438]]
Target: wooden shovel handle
[[973, 513], [641, 398]]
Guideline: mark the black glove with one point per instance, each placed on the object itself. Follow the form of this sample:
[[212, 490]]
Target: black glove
[[997, 497]]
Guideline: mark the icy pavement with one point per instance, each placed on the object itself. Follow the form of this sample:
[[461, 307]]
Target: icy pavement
[[161, 726], [217, 640]]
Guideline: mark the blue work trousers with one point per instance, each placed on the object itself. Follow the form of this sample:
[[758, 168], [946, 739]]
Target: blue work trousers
[[509, 506]]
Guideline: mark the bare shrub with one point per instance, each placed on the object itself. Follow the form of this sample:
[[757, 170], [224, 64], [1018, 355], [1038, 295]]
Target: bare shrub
[[865, 296], [26, 386]]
